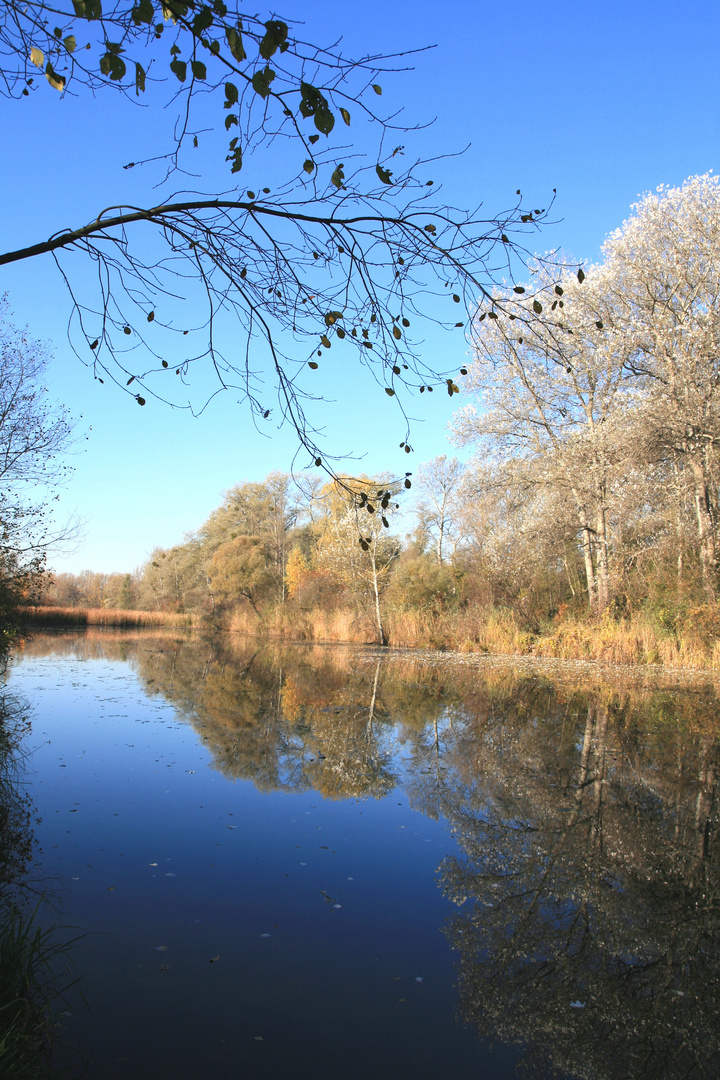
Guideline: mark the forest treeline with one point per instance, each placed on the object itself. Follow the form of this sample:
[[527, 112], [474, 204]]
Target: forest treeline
[[585, 522]]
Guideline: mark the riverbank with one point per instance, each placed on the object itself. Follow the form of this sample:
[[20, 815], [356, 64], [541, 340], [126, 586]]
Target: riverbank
[[690, 642]]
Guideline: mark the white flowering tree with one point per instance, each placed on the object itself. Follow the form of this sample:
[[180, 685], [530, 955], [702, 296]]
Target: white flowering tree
[[662, 284], [550, 420]]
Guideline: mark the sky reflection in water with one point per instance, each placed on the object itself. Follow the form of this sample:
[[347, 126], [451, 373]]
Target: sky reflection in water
[[255, 841]]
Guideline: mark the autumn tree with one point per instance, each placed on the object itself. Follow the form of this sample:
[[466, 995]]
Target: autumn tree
[[269, 509], [353, 545], [341, 252], [240, 568]]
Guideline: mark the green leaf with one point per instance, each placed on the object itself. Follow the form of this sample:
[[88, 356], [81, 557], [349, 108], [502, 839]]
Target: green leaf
[[70, 43], [580, 275], [231, 94], [144, 12], [456, 298], [198, 69], [309, 166], [313, 138], [261, 81], [276, 33], [377, 89], [313, 364], [325, 340], [235, 44], [337, 177], [94, 344], [346, 116], [88, 9], [518, 289], [384, 174], [179, 68], [236, 159], [151, 317], [139, 79], [202, 21], [537, 307], [140, 400], [220, 8], [314, 103]]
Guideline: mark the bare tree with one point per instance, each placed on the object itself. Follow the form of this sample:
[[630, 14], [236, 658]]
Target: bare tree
[[437, 487], [556, 400], [34, 434]]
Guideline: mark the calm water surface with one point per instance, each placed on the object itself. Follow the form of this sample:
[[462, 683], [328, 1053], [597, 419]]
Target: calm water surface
[[325, 863]]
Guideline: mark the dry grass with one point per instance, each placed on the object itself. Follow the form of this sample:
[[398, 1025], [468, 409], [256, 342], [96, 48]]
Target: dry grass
[[477, 629], [77, 617]]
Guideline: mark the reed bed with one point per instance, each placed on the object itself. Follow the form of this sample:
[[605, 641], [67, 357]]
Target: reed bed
[[475, 629], [79, 617]]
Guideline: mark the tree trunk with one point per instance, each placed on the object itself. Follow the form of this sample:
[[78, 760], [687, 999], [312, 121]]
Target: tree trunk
[[587, 542], [603, 562], [706, 529], [382, 640]]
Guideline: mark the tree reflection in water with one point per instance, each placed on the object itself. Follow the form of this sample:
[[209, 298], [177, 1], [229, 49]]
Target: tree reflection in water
[[585, 808], [588, 886]]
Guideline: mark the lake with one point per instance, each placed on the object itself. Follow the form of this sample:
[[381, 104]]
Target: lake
[[331, 862]]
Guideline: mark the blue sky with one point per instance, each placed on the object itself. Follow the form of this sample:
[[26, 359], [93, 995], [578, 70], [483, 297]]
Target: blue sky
[[601, 101]]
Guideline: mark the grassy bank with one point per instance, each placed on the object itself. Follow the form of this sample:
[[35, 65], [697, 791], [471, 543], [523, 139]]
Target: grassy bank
[[692, 642], [79, 617], [688, 641]]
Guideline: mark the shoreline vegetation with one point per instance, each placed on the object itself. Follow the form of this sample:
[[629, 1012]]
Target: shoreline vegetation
[[491, 632]]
